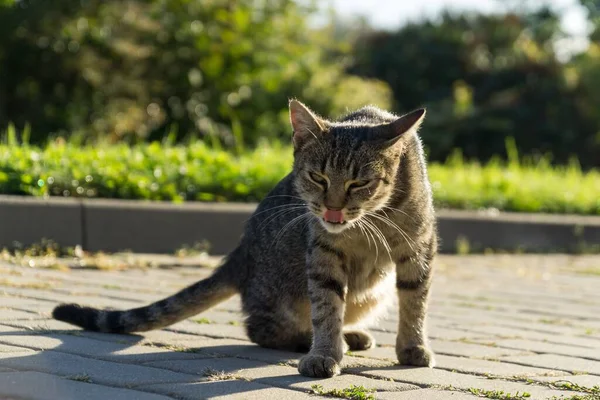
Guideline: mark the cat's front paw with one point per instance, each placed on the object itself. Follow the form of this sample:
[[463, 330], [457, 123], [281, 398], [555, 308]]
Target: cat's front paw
[[418, 356], [318, 366]]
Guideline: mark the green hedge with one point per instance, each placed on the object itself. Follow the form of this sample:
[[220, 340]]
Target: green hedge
[[198, 173]]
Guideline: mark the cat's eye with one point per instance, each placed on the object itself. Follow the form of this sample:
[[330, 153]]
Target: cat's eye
[[357, 184], [318, 179]]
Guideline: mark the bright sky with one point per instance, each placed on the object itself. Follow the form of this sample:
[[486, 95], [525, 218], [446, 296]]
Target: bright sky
[[393, 13]]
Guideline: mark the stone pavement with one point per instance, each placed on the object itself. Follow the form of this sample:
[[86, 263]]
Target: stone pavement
[[503, 327]]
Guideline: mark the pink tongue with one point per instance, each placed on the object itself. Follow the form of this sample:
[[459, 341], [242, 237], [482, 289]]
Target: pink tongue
[[334, 216]]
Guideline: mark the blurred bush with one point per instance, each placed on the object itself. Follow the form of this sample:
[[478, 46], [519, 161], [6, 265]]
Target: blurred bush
[[196, 172], [127, 70]]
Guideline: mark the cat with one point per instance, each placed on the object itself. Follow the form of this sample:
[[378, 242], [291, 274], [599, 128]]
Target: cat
[[324, 250]]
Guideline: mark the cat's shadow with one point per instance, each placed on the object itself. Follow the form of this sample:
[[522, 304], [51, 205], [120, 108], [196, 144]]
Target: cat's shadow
[[86, 358]]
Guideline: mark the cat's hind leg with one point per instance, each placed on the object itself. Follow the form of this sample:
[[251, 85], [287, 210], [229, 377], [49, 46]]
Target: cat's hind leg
[[358, 339], [275, 331]]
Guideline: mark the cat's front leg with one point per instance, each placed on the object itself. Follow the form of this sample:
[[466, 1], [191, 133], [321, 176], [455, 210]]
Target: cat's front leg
[[413, 279], [327, 287]]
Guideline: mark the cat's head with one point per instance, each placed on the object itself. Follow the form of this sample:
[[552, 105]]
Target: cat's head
[[346, 170]]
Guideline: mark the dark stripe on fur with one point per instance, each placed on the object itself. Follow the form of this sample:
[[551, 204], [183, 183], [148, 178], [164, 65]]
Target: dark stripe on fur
[[409, 285], [318, 321], [113, 322], [324, 164], [329, 283], [85, 317], [424, 274], [329, 249]]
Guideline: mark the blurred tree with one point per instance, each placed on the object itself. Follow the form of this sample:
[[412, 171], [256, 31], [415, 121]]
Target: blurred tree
[[485, 78], [224, 70], [593, 13], [39, 76], [134, 69]]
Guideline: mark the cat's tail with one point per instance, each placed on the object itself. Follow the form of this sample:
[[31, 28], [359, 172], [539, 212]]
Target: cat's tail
[[190, 301]]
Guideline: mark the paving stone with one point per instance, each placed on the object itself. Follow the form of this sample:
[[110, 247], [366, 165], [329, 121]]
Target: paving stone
[[349, 362], [471, 349], [211, 330], [132, 298], [19, 280], [516, 320], [55, 297], [242, 349], [12, 349], [276, 375], [583, 380], [8, 315], [526, 305], [512, 333], [95, 348], [170, 337], [110, 373], [425, 394], [229, 390], [555, 361], [487, 367], [22, 303], [39, 386], [447, 348], [286, 377], [543, 347], [433, 377], [41, 325], [200, 367], [389, 337], [117, 283]]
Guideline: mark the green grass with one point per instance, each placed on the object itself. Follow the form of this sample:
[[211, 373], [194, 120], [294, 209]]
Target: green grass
[[498, 394], [196, 172], [146, 171], [353, 392], [80, 378], [516, 186], [567, 385]]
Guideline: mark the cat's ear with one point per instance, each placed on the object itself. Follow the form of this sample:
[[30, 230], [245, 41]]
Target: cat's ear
[[305, 124], [404, 125]]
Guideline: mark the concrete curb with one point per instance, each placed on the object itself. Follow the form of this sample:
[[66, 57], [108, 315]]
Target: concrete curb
[[157, 227]]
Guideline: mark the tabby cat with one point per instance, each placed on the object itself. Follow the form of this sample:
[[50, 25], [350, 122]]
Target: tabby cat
[[320, 256]]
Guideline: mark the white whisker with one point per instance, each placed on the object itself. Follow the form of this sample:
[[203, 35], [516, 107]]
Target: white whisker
[[390, 223], [276, 207], [284, 195], [291, 223], [280, 213], [381, 237], [369, 228]]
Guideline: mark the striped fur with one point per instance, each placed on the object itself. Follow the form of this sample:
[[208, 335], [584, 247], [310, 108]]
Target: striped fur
[[307, 285], [184, 304]]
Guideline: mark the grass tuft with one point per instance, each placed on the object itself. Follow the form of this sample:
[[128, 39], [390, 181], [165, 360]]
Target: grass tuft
[[80, 378], [499, 394], [353, 392], [214, 375], [568, 385]]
